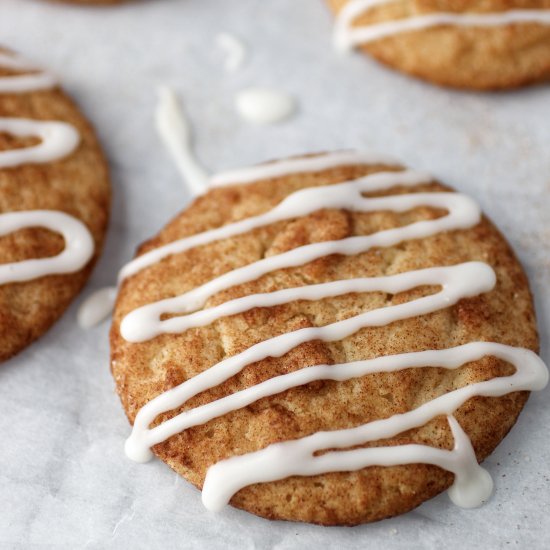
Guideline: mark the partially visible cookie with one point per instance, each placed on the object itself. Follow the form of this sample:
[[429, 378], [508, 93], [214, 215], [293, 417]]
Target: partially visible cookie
[[52, 173], [92, 2], [236, 326], [511, 51]]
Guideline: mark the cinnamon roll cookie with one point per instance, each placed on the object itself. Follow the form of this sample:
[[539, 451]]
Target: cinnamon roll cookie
[[476, 44], [326, 339], [54, 202]]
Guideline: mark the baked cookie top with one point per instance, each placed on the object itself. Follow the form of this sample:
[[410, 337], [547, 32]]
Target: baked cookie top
[[54, 202], [330, 339], [477, 44]]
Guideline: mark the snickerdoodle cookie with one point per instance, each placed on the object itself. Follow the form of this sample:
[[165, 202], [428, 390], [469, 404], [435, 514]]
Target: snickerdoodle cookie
[[330, 339], [92, 2], [479, 44], [54, 202]]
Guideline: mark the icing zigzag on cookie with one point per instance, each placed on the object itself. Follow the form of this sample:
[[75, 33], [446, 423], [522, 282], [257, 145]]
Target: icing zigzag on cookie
[[299, 457], [57, 141], [20, 83], [346, 36]]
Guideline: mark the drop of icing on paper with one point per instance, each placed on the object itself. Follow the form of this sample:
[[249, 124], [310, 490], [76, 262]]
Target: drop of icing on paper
[[97, 307], [264, 105], [175, 131], [234, 49]]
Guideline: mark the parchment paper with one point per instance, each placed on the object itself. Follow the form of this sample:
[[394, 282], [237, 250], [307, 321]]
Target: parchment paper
[[64, 479]]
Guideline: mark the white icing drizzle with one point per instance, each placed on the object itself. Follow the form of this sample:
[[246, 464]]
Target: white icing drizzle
[[57, 140], [264, 105], [472, 483], [346, 36], [472, 486], [175, 133], [79, 245], [297, 204], [458, 282], [296, 457], [144, 323], [299, 165], [96, 306], [23, 82], [235, 50]]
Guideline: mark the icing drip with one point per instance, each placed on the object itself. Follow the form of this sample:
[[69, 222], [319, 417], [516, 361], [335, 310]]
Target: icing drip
[[175, 133], [235, 50], [57, 141], [264, 105], [346, 36], [23, 82], [472, 483]]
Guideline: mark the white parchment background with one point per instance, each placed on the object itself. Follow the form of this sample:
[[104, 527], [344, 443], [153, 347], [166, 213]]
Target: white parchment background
[[64, 479]]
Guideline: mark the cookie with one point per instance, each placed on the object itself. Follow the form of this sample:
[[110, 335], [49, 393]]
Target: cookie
[[54, 202], [325, 339], [92, 2], [480, 45]]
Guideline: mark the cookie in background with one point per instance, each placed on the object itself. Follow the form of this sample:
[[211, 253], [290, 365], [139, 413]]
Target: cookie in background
[[478, 45], [54, 202]]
